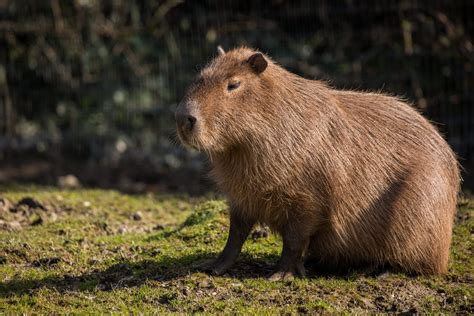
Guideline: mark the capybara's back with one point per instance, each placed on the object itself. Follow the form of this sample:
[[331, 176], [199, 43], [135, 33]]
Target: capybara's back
[[347, 178], [392, 188]]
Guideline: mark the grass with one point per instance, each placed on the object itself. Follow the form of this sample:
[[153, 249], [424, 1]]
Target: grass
[[97, 251]]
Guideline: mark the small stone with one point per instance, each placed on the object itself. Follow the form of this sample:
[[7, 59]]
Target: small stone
[[185, 291], [69, 181], [122, 230], [53, 217], [137, 216], [46, 261], [158, 227], [30, 203], [5, 205], [15, 225], [204, 284], [35, 220]]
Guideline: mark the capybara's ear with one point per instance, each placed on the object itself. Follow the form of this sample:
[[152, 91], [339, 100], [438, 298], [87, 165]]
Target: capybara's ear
[[257, 62], [220, 50]]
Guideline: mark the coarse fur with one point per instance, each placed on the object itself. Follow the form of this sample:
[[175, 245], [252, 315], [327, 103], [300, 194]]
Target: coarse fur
[[347, 178]]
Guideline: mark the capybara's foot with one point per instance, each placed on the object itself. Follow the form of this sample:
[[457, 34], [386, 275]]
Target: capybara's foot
[[217, 266], [239, 230], [282, 276], [288, 273]]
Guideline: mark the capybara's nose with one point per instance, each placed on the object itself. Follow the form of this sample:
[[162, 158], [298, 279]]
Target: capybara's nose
[[185, 121], [191, 121]]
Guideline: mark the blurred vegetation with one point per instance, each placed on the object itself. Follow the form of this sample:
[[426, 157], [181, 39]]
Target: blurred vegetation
[[96, 82]]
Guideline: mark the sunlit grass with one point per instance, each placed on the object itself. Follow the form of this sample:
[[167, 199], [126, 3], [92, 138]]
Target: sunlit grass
[[97, 257]]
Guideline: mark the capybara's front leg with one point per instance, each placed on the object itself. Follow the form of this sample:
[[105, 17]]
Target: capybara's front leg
[[239, 230], [295, 242]]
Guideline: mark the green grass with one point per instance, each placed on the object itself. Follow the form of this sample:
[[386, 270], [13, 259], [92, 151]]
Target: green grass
[[93, 256]]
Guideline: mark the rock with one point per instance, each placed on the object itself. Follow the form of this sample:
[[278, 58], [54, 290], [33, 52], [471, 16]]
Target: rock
[[122, 230], [30, 203], [15, 225], [185, 291], [204, 284], [5, 205], [158, 227], [10, 226], [36, 219], [53, 217], [46, 261], [69, 181], [137, 216]]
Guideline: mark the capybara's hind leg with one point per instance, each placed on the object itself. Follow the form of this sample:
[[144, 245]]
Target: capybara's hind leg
[[295, 244]]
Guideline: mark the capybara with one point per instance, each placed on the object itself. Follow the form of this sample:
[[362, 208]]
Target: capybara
[[348, 179]]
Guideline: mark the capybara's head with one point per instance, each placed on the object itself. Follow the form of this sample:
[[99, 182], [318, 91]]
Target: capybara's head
[[217, 108]]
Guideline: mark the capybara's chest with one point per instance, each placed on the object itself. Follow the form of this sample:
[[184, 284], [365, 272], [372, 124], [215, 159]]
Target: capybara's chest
[[275, 207]]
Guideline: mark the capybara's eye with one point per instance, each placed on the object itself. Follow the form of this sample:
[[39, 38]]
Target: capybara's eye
[[233, 85]]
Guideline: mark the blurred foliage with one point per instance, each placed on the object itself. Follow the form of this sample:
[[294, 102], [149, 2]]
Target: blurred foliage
[[98, 80]]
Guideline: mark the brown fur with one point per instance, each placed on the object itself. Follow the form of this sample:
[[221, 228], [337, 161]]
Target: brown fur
[[348, 178]]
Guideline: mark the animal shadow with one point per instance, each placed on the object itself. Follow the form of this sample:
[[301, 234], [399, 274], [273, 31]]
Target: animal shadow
[[133, 274], [127, 274]]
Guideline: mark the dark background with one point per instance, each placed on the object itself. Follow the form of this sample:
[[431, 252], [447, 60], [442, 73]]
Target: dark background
[[88, 87]]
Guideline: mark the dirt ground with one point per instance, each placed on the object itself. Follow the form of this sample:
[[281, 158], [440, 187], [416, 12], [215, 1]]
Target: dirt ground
[[90, 251]]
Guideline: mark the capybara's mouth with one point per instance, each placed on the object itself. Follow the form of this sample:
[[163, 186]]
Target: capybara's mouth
[[187, 140]]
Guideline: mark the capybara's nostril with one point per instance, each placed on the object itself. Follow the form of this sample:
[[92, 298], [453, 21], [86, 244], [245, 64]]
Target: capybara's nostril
[[185, 121], [191, 122]]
